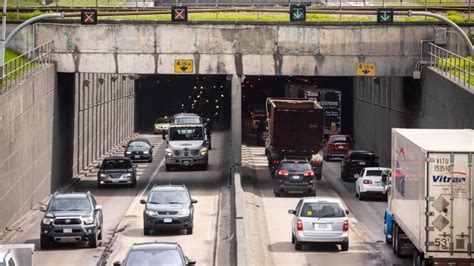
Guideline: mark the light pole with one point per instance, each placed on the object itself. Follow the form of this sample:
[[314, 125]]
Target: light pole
[[5, 40]]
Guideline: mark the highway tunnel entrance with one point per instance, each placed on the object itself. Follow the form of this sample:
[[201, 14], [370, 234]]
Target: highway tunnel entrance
[[165, 95]]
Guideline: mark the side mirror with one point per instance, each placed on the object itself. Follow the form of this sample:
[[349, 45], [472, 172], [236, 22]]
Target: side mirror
[[42, 208], [347, 212], [356, 175], [193, 201], [98, 207], [163, 135], [97, 166], [124, 146], [117, 263], [142, 201], [292, 212], [152, 146], [191, 262]]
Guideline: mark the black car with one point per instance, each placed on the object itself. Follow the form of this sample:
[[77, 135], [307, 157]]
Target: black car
[[139, 150], [117, 170], [294, 175], [71, 217], [168, 207], [355, 161], [156, 254]]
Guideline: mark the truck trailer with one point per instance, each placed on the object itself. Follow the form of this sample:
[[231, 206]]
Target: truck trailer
[[430, 208], [295, 130]]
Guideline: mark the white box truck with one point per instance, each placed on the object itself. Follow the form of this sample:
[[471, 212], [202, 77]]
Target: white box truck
[[430, 210]]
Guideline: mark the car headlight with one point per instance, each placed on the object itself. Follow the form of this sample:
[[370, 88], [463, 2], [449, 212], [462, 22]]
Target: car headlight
[[128, 152], [128, 175], [157, 127], [169, 152], [184, 212], [151, 213], [48, 221], [103, 175], [88, 219], [203, 151], [146, 152]]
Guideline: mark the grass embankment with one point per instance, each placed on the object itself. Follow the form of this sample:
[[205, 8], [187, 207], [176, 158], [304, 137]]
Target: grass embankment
[[20, 62], [458, 68]]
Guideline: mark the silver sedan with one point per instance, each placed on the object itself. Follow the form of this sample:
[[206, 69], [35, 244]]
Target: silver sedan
[[320, 220]]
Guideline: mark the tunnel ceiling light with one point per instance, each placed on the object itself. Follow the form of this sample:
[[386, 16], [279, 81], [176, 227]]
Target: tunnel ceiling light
[[222, 95], [217, 106], [202, 87]]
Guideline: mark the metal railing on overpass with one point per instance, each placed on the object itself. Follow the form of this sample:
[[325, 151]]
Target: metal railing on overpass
[[20, 67], [452, 65]]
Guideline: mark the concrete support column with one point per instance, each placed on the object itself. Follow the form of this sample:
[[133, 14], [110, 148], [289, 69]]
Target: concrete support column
[[236, 121]]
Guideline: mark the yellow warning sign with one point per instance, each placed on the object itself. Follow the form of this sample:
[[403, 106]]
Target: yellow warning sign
[[183, 66], [366, 69]]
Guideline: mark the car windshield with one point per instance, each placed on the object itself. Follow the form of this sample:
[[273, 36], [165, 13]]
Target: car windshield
[[341, 139], [373, 173], [116, 164], [322, 210], [154, 257], [162, 121], [186, 133], [362, 156], [169, 197], [295, 167], [138, 144], [70, 204], [187, 120]]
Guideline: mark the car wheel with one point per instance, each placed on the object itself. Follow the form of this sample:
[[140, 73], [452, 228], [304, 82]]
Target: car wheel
[[45, 243], [93, 241], [146, 231], [134, 183], [361, 196], [99, 237], [345, 245], [168, 168], [151, 159], [292, 238], [204, 167], [189, 231], [298, 245], [277, 192], [312, 192]]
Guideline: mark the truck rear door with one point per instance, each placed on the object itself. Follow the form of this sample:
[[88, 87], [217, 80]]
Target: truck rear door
[[448, 202]]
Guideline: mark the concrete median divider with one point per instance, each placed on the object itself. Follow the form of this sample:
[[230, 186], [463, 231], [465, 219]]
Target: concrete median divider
[[240, 232]]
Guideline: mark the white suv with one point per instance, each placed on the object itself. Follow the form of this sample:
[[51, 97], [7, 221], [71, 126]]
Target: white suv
[[369, 182]]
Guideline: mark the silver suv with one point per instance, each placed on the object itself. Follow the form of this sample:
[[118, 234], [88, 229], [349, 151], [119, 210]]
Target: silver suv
[[320, 220], [71, 217], [168, 207]]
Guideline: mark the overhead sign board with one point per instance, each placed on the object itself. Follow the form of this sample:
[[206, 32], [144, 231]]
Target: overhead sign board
[[179, 13], [183, 66], [384, 15], [366, 69], [89, 16], [297, 13]]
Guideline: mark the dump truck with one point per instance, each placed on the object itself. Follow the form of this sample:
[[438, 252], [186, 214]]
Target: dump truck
[[430, 208], [295, 130]]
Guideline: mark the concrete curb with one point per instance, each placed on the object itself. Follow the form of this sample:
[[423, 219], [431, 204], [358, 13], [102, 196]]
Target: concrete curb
[[241, 235]]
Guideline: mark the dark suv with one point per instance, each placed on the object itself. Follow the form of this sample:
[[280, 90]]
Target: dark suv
[[338, 146], [168, 207], [355, 161], [294, 175], [139, 150], [117, 170], [155, 253], [71, 217]]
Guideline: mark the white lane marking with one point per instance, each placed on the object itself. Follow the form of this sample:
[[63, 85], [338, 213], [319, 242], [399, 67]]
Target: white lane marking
[[213, 214], [139, 196]]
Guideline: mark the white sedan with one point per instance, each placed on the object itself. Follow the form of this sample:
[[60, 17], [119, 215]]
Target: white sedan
[[369, 182]]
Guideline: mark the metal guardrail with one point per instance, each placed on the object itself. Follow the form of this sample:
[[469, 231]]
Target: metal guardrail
[[454, 66], [22, 66]]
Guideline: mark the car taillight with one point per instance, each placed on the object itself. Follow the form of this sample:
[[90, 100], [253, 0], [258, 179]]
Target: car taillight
[[282, 172], [316, 162], [367, 181], [345, 226], [308, 173], [276, 162], [299, 225]]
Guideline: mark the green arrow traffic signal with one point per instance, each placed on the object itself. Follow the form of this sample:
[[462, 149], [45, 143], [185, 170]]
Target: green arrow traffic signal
[[384, 15], [297, 13]]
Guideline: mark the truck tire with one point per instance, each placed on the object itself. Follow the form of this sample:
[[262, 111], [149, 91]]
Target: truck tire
[[168, 168], [387, 239], [396, 241], [45, 243], [93, 241], [146, 231]]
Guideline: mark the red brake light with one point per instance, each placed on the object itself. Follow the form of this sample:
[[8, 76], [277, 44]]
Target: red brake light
[[282, 172], [345, 226], [308, 173], [366, 181], [276, 162], [299, 225], [316, 162]]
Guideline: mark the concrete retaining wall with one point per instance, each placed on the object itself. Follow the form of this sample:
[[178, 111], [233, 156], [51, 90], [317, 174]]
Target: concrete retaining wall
[[250, 49], [27, 119], [436, 102]]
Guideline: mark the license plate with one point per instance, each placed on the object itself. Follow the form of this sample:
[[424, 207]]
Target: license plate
[[378, 183], [186, 162], [296, 177], [361, 163], [67, 230], [323, 227], [167, 220], [137, 156]]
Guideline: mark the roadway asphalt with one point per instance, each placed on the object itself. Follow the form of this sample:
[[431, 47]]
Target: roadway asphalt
[[268, 222], [123, 224]]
